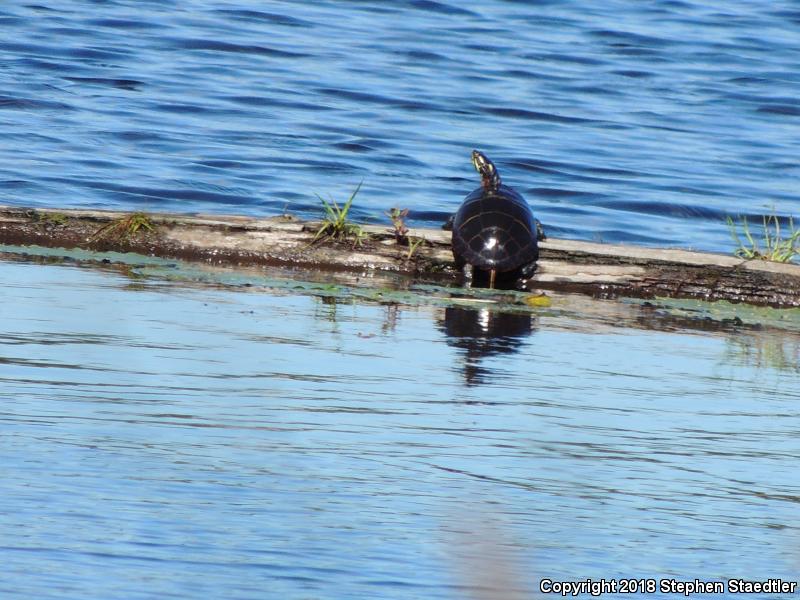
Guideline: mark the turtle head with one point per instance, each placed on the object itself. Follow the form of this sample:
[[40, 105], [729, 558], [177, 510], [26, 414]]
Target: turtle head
[[490, 179]]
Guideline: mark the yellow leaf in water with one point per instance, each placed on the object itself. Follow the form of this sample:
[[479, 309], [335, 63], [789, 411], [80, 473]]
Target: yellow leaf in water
[[538, 300]]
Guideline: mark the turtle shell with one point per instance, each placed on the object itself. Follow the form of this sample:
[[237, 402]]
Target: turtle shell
[[494, 229]]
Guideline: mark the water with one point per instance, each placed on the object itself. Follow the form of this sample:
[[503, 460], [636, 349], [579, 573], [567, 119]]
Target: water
[[641, 122], [167, 440]]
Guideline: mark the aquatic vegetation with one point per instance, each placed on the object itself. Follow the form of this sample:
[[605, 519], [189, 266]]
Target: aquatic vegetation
[[776, 247], [50, 219], [336, 226], [538, 300], [400, 231], [413, 245], [125, 227], [399, 228]]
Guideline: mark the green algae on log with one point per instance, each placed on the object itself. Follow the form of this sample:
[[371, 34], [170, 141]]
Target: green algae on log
[[605, 270]]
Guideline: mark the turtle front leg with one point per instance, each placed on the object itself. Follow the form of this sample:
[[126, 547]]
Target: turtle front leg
[[448, 225], [526, 273], [468, 272], [540, 235]]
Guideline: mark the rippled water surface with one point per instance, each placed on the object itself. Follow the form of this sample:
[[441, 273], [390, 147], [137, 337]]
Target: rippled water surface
[[643, 122], [172, 441]]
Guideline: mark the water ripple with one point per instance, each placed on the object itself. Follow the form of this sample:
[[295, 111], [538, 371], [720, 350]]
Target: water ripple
[[12, 103], [219, 46], [235, 441]]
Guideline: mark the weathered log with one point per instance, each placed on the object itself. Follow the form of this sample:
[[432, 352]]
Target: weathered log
[[605, 270]]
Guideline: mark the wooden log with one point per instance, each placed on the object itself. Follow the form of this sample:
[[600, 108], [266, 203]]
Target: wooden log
[[602, 270]]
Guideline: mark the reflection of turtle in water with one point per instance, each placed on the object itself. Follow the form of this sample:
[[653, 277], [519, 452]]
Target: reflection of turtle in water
[[494, 232], [484, 333]]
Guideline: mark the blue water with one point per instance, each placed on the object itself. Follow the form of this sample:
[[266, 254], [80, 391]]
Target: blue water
[[643, 122], [164, 440]]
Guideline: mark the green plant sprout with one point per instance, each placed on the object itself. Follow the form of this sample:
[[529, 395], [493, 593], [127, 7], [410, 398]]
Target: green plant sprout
[[776, 248], [335, 225], [413, 245], [124, 228], [399, 228], [51, 219]]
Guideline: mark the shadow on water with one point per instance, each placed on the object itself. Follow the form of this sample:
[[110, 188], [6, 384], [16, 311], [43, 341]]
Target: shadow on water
[[481, 333]]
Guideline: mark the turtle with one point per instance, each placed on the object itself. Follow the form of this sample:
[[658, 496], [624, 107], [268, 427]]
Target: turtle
[[494, 231]]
